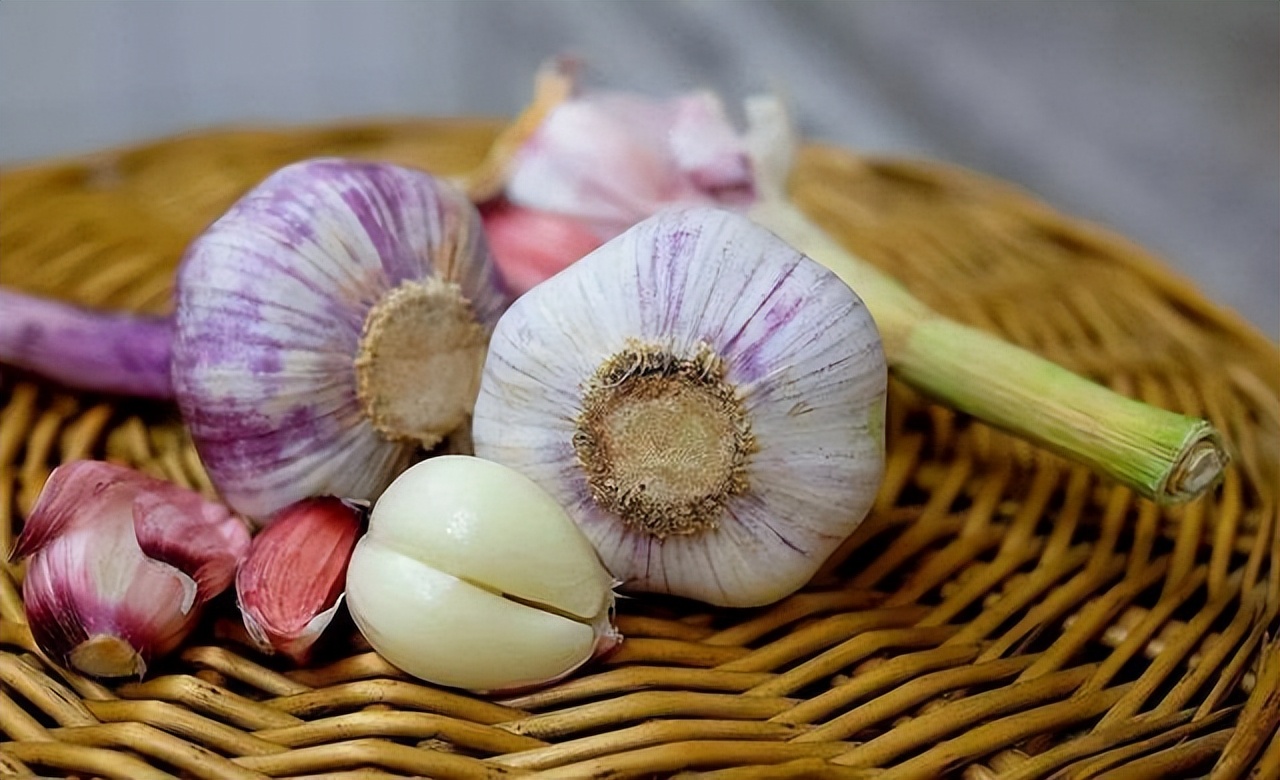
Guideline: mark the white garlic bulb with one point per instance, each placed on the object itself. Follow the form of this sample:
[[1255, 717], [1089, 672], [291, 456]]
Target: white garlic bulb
[[472, 576], [705, 401]]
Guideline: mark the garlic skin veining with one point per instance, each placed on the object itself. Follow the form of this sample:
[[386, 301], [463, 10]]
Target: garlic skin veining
[[120, 565], [330, 324], [472, 576], [706, 402]]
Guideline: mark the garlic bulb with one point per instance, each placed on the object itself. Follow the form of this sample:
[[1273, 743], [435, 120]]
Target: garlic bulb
[[330, 324], [706, 402], [120, 565], [291, 583], [609, 160], [472, 576], [530, 245]]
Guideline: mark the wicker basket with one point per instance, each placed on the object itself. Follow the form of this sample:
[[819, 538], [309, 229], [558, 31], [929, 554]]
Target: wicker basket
[[1001, 613]]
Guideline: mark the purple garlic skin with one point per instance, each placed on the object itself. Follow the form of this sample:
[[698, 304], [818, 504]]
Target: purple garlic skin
[[277, 364], [120, 565]]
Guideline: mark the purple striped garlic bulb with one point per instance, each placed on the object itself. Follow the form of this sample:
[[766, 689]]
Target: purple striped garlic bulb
[[706, 402], [332, 323]]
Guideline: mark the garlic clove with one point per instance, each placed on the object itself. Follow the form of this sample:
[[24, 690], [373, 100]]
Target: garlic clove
[[471, 576], [330, 324], [706, 403], [530, 245], [485, 521], [291, 583], [119, 565], [440, 628]]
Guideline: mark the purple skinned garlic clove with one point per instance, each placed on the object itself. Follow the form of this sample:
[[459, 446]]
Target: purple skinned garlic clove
[[120, 565]]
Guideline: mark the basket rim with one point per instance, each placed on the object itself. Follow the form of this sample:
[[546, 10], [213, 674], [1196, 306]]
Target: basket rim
[[1017, 198]]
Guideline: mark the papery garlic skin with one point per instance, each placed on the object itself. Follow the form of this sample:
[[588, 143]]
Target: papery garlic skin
[[120, 565], [706, 403], [291, 583], [471, 576], [329, 325], [612, 158]]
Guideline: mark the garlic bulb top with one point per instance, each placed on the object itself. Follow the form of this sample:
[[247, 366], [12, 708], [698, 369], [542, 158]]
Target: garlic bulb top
[[705, 401], [578, 157], [334, 320]]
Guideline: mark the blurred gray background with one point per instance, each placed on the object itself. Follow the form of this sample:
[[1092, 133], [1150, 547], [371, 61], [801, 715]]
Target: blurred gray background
[[1159, 119]]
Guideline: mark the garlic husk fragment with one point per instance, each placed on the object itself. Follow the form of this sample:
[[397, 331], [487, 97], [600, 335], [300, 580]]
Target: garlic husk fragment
[[332, 323], [706, 403], [471, 576], [658, 153], [120, 565], [291, 583]]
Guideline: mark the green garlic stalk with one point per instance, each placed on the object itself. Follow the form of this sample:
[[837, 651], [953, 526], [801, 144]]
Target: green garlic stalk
[[1162, 455]]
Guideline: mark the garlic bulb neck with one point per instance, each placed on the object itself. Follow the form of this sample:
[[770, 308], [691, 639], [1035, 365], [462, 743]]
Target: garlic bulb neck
[[422, 334], [664, 440], [105, 655]]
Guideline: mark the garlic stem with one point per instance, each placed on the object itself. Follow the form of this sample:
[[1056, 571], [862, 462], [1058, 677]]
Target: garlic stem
[[1164, 456], [109, 352]]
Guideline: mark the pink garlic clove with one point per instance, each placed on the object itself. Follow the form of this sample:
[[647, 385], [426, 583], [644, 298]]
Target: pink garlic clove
[[290, 585], [120, 565], [530, 245]]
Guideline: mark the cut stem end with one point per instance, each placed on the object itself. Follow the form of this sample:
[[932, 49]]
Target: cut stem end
[[418, 367], [1164, 456], [1198, 469], [664, 440]]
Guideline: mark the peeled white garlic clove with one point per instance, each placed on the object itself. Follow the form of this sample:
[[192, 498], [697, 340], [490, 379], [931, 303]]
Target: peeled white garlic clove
[[291, 583], [705, 402], [472, 576], [120, 565], [330, 324]]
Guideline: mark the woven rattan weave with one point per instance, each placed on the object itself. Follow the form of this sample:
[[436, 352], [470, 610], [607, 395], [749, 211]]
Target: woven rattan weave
[[1001, 613]]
